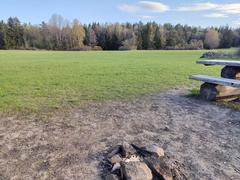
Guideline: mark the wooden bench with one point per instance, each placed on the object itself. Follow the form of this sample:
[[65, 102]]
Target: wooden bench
[[226, 87], [217, 80]]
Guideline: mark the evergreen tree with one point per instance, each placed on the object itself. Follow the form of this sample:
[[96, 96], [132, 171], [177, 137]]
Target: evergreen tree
[[159, 38], [14, 34], [227, 36], [2, 41]]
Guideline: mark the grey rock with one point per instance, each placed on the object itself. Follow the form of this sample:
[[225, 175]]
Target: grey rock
[[115, 159], [136, 171], [153, 149], [114, 151], [159, 167], [116, 167]]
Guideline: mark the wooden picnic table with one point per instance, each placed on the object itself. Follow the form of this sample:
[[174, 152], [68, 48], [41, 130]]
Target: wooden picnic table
[[225, 87]]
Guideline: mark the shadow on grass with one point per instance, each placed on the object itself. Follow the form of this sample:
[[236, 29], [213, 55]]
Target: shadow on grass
[[195, 94]]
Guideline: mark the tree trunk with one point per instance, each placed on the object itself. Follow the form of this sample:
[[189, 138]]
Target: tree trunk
[[214, 92]]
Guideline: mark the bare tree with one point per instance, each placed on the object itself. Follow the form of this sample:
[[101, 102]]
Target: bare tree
[[56, 24], [78, 34]]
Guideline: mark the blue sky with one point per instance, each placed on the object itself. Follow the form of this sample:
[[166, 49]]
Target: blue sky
[[197, 13]]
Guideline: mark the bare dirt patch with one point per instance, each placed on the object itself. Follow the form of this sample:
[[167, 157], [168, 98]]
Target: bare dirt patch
[[70, 145]]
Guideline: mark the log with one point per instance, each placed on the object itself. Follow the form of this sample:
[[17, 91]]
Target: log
[[231, 72], [214, 92]]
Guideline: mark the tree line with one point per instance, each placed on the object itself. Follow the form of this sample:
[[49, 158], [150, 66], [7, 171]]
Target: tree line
[[60, 34]]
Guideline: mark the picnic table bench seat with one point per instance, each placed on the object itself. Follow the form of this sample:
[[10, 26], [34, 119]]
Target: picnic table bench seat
[[217, 80], [219, 62]]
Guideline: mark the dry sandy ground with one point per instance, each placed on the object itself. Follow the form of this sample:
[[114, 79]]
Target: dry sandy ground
[[70, 145]]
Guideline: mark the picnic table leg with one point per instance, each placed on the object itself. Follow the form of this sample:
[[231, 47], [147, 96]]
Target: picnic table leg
[[213, 92], [231, 72], [208, 91]]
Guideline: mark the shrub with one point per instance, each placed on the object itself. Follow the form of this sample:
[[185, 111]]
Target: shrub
[[97, 48], [195, 44]]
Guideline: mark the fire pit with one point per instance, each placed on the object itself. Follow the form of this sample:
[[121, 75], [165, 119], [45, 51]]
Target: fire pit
[[133, 162]]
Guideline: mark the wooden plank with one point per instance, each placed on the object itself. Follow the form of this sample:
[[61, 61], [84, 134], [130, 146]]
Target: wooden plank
[[217, 80], [219, 62]]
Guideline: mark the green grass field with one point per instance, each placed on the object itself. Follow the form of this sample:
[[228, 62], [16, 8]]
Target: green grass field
[[41, 80]]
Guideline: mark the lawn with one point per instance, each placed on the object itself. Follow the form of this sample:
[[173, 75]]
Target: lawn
[[41, 80]]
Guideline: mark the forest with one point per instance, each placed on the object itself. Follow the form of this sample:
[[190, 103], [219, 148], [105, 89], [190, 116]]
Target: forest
[[61, 34]]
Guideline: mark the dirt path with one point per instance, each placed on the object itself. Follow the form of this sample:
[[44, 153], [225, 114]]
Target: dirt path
[[69, 145]]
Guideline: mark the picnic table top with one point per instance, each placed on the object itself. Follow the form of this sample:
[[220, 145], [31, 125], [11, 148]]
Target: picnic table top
[[219, 62], [217, 80]]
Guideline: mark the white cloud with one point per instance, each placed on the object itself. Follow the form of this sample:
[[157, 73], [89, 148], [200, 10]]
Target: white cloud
[[154, 6], [230, 8], [216, 15], [144, 5], [198, 7], [129, 8]]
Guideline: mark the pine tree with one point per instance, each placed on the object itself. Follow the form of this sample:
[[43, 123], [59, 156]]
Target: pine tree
[[2, 42], [14, 34]]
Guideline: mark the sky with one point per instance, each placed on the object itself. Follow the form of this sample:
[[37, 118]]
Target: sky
[[196, 13]]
